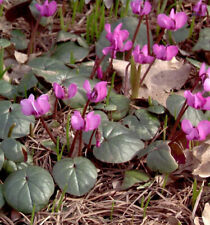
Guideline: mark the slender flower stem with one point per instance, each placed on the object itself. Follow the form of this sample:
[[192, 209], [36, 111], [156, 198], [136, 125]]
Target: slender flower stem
[[134, 38], [73, 143], [148, 37], [147, 71], [80, 143], [31, 43], [78, 133], [96, 65], [137, 29], [181, 113], [109, 67], [55, 108], [48, 131], [90, 141]]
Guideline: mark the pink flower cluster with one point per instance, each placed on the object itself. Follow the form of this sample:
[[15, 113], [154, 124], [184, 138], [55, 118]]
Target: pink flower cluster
[[197, 101], [41, 105], [116, 40], [200, 8], [47, 9]]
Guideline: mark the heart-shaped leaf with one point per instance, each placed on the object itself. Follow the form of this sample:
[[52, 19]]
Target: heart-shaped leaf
[[6, 89], [174, 104], [203, 41], [10, 166], [143, 123], [122, 104], [28, 188], [77, 176], [50, 69], [156, 108], [69, 52], [132, 177], [19, 40], [118, 143], [159, 157], [181, 34], [1, 159], [11, 117], [13, 150], [130, 24]]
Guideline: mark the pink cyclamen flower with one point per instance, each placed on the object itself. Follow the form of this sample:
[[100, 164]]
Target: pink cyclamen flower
[[173, 22], [37, 107], [200, 8], [98, 93], [197, 101], [140, 7], [60, 91], [196, 133], [165, 52], [90, 122], [1, 1], [205, 77], [116, 40], [47, 9], [141, 55]]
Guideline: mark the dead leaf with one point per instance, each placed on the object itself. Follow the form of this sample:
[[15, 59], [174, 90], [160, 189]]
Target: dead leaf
[[163, 77], [206, 214], [197, 221], [201, 160], [20, 57]]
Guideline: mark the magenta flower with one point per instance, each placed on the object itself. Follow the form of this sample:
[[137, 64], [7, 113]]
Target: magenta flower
[[34, 107], [47, 9], [165, 52], [140, 7], [116, 40], [1, 1], [200, 8], [205, 77], [141, 55], [90, 122], [60, 91], [197, 101], [173, 22], [196, 133], [98, 93]]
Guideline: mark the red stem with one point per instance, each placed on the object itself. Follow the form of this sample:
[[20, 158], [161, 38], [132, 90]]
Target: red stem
[[96, 65], [148, 37], [48, 131]]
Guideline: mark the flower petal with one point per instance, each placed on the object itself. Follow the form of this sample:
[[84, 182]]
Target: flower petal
[[77, 121], [203, 129], [92, 121], [72, 90], [58, 90]]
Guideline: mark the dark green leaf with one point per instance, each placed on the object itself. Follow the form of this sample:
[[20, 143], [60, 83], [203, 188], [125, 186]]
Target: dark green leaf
[[2, 201], [132, 177], [159, 157], [11, 115], [19, 40], [122, 103], [68, 51], [77, 175], [1, 158], [118, 143], [181, 34], [143, 123], [29, 187], [203, 41], [13, 149]]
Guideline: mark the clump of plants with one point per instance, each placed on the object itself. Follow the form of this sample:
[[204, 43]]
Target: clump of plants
[[101, 123]]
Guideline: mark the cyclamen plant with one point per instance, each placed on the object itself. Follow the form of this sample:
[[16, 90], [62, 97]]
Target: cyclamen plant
[[84, 123]]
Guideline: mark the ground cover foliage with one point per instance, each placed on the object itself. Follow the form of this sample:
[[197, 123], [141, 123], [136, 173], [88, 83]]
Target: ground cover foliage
[[104, 112]]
